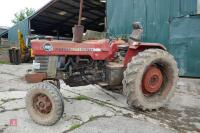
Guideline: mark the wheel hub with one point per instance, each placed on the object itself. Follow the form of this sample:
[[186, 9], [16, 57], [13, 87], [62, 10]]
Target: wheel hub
[[152, 80], [42, 104]]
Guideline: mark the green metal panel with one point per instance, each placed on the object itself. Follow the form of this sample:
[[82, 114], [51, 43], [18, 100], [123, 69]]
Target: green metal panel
[[188, 7], [159, 20], [185, 44], [120, 16], [23, 26]]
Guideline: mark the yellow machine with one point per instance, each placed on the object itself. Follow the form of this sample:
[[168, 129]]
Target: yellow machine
[[22, 54], [22, 45]]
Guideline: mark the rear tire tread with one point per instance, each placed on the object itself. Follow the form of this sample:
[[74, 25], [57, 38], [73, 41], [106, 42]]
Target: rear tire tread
[[132, 71]]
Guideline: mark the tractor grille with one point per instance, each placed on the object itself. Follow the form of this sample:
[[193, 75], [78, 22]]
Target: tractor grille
[[43, 60]]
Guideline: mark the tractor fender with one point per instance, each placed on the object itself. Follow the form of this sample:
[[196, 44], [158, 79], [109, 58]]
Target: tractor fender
[[135, 49], [148, 45]]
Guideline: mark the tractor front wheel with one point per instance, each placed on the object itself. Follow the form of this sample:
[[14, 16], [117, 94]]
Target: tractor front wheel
[[150, 79], [44, 104]]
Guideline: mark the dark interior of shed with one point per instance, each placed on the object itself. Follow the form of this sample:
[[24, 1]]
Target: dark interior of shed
[[59, 16]]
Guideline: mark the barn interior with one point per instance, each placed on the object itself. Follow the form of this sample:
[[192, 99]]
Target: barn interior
[[59, 16]]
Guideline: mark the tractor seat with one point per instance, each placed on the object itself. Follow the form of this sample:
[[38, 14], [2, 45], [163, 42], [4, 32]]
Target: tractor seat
[[136, 35]]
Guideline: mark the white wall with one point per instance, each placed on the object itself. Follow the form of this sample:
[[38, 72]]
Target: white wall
[[198, 6]]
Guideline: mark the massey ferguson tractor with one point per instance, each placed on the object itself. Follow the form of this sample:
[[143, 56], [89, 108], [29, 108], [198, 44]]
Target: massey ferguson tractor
[[146, 72]]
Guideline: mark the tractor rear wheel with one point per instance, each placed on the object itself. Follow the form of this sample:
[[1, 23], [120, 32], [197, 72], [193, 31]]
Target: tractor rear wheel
[[44, 104], [150, 79]]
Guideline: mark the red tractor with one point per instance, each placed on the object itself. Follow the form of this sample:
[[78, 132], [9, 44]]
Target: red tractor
[[147, 73]]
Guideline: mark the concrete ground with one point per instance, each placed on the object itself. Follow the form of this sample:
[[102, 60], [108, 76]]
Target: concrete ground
[[91, 109]]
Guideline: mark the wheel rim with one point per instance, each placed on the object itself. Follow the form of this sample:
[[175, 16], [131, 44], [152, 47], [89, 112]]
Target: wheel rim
[[42, 104], [152, 80]]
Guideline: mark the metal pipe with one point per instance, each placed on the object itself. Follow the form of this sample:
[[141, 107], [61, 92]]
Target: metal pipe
[[80, 12], [66, 65]]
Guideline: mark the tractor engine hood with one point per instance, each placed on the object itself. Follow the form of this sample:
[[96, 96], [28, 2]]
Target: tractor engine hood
[[97, 49]]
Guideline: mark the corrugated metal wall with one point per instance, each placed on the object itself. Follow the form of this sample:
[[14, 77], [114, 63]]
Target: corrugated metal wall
[[2, 30], [164, 21], [154, 15], [23, 26]]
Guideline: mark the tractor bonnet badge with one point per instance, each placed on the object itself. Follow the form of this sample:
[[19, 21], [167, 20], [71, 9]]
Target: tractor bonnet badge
[[48, 47]]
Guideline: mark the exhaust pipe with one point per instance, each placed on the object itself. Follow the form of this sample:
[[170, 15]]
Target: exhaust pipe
[[78, 29]]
